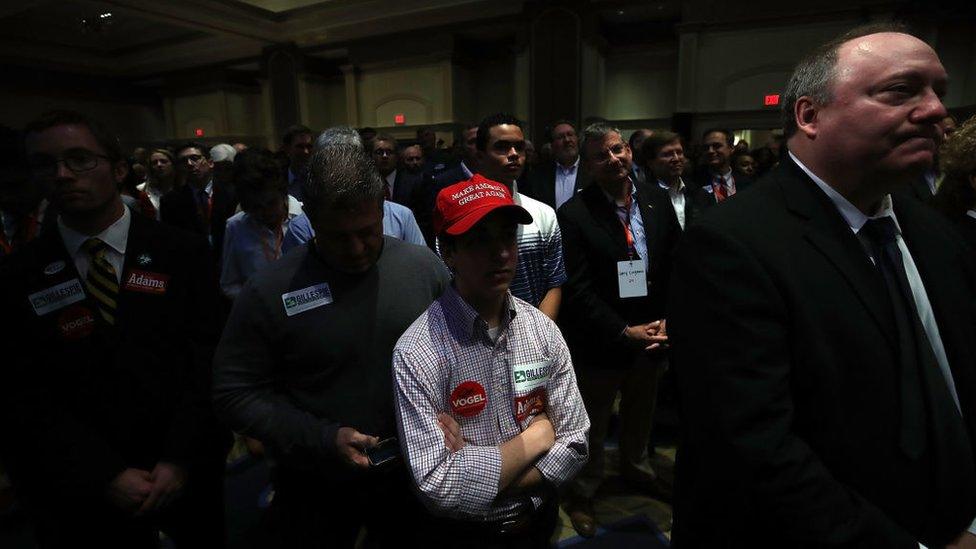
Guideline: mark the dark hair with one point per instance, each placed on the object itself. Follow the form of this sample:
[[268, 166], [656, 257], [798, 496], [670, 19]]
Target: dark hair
[[204, 150], [384, 137], [256, 171], [729, 138], [489, 122], [291, 132], [814, 75], [633, 137], [559, 122], [340, 177], [957, 159], [657, 141], [106, 139]]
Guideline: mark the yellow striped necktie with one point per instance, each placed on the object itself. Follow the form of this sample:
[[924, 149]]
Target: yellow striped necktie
[[101, 280]]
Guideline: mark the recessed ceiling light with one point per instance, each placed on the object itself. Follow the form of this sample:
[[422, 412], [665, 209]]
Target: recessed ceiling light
[[620, 12], [105, 15]]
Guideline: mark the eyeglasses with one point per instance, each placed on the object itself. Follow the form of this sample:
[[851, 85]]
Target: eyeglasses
[[383, 152], [76, 160], [191, 159]]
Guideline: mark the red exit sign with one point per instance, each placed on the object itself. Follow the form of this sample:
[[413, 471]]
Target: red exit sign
[[198, 132], [399, 119], [771, 100]]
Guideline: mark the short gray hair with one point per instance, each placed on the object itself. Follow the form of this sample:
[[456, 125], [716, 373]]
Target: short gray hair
[[814, 74], [339, 135], [341, 176], [597, 132]]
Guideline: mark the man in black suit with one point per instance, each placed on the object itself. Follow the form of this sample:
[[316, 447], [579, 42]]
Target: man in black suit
[[203, 204], [462, 171], [664, 162], [716, 182], [556, 182], [109, 319], [823, 331], [398, 184], [614, 324]]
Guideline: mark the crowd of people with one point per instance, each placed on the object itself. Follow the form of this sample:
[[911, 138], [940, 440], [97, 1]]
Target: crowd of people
[[430, 345]]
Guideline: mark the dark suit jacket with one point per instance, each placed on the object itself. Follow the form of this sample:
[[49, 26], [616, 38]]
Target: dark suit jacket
[[82, 400], [784, 350], [593, 315], [693, 205], [179, 209], [541, 183]]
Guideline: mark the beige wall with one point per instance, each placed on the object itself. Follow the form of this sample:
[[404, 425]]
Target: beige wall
[[421, 91], [231, 114], [134, 124]]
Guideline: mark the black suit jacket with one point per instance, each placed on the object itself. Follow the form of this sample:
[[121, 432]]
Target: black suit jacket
[[179, 209], [540, 183], [82, 400], [784, 351], [693, 205], [593, 315]]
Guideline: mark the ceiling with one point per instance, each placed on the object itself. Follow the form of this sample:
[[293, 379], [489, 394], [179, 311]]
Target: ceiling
[[138, 38]]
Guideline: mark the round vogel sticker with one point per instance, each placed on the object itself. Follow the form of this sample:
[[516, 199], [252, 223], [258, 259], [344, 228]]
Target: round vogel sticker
[[468, 399], [76, 323]]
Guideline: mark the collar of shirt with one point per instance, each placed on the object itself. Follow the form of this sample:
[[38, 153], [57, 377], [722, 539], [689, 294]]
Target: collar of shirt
[[294, 207], [613, 201], [209, 188], [460, 315], [971, 213], [467, 172], [665, 186], [727, 177], [116, 235], [569, 170], [854, 217]]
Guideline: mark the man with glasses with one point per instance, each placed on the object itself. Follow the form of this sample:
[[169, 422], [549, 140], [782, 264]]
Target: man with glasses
[[398, 185], [202, 205], [110, 327]]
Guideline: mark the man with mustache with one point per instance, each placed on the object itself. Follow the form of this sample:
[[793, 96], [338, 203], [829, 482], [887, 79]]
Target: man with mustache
[[822, 326]]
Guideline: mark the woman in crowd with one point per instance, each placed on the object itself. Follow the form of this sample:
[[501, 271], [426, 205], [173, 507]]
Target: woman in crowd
[[161, 178]]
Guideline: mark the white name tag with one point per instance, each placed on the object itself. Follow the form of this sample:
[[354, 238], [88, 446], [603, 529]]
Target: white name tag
[[56, 297], [306, 299], [632, 278], [530, 376]]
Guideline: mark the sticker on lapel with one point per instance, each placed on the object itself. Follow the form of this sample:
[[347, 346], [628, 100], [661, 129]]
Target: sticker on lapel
[[54, 267], [532, 403], [144, 260], [529, 376], [76, 322], [56, 297], [468, 399], [146, 282], [306, 299]]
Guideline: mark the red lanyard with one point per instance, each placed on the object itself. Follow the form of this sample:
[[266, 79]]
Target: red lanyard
[[631, 251]]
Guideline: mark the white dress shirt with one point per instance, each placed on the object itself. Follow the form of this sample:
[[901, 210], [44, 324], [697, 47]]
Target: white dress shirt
[[116, 236], [677, 199]]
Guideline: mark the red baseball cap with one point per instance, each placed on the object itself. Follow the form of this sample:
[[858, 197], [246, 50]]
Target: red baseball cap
[[463, 204]]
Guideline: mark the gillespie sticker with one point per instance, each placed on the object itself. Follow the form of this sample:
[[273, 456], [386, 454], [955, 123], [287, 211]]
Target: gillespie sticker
[[532, 403], [76, 322], [146, 282], [468, 399], [305, 299], [56, 297]]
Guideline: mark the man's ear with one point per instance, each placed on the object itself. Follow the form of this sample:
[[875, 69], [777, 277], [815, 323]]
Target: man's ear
[[805, 113]]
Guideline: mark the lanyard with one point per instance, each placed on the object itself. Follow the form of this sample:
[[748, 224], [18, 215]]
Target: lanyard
[[628, 201]]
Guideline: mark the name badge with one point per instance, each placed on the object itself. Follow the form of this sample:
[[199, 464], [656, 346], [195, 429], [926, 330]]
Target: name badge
[[146, 282], [306, 299], [56, 297], [530, 388], [632, 278]]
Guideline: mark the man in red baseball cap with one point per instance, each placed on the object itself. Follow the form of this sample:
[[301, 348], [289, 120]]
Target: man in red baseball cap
[[488, 412]]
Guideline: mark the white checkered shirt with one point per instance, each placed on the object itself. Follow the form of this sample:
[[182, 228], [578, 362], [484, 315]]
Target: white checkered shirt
[[448, 345]]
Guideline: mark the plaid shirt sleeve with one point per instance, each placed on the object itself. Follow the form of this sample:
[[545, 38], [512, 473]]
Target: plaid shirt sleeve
[[567, 414], [454, 484]]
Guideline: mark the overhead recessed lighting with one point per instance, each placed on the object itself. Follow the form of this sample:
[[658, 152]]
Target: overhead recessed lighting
[[620, 12], [105, 15]]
